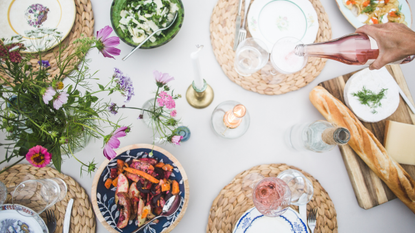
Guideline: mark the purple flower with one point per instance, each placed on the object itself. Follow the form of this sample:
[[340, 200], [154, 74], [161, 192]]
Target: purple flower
[[112, 108], [125, 84], [112, 142], [176, 139], [162, 79], [48, 95], [107, 45], [44, 63], [60, 100]]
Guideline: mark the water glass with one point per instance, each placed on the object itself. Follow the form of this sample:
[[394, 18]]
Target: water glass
[[301, 188], [40, 194], [283, 57], [251, 55]]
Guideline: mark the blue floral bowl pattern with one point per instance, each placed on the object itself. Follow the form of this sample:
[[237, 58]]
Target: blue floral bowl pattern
[[13, 221], [105, 197], [253, 221]]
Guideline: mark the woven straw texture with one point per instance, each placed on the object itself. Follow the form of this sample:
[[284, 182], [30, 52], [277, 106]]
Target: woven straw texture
[[84, 24], [82, 219], [236, 198], [222, 34]]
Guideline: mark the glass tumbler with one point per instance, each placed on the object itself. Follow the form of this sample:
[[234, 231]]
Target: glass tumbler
[[40, 194], [301, 188], [251, 55]]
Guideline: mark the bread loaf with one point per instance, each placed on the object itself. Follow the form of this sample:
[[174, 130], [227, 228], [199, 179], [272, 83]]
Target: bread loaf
[[365, 144]]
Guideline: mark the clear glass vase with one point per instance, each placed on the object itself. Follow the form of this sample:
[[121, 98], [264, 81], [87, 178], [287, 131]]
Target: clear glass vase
[[147, 116]]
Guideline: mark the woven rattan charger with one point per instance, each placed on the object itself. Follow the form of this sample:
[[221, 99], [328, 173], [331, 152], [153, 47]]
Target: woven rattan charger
[[222, 34], [84, 24], [236, 198], [82, 219]]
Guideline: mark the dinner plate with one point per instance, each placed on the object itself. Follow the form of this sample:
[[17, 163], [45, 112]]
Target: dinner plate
[[18, 16], [406, 10], [271, 20], [252, 221], [10, 218], [105, 198]]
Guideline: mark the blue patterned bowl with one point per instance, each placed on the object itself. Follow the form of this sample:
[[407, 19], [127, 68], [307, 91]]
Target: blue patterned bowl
[[103, 198]]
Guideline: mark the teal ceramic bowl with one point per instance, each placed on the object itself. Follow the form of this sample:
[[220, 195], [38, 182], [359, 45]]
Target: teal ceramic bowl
[[118, 5]]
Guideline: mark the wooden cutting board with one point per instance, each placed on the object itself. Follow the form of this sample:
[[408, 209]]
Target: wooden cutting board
[[369, 189]]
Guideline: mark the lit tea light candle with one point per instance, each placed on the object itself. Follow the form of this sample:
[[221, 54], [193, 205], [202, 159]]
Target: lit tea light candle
[[233, 118]]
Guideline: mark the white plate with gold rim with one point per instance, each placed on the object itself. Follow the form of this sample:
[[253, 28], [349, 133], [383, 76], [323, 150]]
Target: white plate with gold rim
[[18, 16], [271, 20]]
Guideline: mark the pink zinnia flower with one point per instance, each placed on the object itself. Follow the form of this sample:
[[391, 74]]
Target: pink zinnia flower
[[61, 100], [48, 96], [38, 156], [173, 113], [111, 142], [107, 45], [162, 79], [176, 139]]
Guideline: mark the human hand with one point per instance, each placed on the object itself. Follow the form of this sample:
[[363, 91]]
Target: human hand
[[395, 41]]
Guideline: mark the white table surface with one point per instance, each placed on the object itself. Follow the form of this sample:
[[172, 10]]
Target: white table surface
[[211, 161]]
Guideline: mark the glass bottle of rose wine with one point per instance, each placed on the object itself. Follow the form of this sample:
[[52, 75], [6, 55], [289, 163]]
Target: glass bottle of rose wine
[[354, 49]]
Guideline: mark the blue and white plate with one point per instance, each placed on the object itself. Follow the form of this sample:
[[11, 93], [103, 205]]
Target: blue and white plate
[[11, 221], [104, 201], [271, 20], [353, 20], [252, 221]]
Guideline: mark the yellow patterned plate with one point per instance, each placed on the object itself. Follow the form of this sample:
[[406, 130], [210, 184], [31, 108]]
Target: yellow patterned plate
[[18, 16]]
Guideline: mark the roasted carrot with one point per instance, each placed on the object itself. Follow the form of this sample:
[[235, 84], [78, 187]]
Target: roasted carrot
[[108, 183], [165, 186], [145, 213], [167, 167], [115, 182], [175, 187], [160, 164], [143, 174], [120, 166]]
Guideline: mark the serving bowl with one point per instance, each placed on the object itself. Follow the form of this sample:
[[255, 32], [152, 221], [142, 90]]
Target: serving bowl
[[116, 8]]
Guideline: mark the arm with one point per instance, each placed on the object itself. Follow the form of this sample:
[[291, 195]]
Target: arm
[[395, 40]]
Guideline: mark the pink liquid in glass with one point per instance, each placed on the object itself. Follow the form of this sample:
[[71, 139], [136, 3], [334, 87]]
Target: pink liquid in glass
[[271, 196]]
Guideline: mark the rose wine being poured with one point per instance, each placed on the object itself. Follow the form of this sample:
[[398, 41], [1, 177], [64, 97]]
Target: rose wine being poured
[[354, 49]]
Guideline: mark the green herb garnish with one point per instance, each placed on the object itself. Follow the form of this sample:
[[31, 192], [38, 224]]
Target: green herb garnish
[[372, 7], [367, 97]]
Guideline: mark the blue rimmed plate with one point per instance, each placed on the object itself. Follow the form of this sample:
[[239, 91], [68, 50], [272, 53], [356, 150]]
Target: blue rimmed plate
[[12, 221], [252, 221], [103, 198], [353, 20], [271, 20]]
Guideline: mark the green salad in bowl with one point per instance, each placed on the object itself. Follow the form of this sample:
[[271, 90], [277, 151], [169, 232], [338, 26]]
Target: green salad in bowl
[[134, 20]]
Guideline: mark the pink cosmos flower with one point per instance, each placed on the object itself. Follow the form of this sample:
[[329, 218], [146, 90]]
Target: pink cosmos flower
[[111, 142], [162, 79], [176, 139], [38, 156], [173, 113], [107, 45], [61, 100], [48, 96]]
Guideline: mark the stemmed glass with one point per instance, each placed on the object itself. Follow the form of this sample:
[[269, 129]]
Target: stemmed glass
[[273, 195], [40, 194], [252, 55]]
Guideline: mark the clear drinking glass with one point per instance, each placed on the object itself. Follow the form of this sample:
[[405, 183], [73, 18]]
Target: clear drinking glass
[[283, 61], [301, 188], [251, 55], [40, 194]]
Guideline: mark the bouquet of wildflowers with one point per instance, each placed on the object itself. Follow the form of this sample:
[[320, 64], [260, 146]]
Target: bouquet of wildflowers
[[160, 114], [44, 118]]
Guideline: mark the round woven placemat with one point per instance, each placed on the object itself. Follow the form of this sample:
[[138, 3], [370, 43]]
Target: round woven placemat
[[236, 198], [222, 34], [82, 219], [84, 24]]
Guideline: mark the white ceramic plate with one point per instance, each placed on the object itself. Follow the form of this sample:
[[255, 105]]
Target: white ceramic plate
[[10, 218], [252, 221], [18, 16], [406, 10], [271, 20]]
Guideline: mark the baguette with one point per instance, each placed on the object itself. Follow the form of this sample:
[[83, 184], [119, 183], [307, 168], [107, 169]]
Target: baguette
[[365, 144]]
